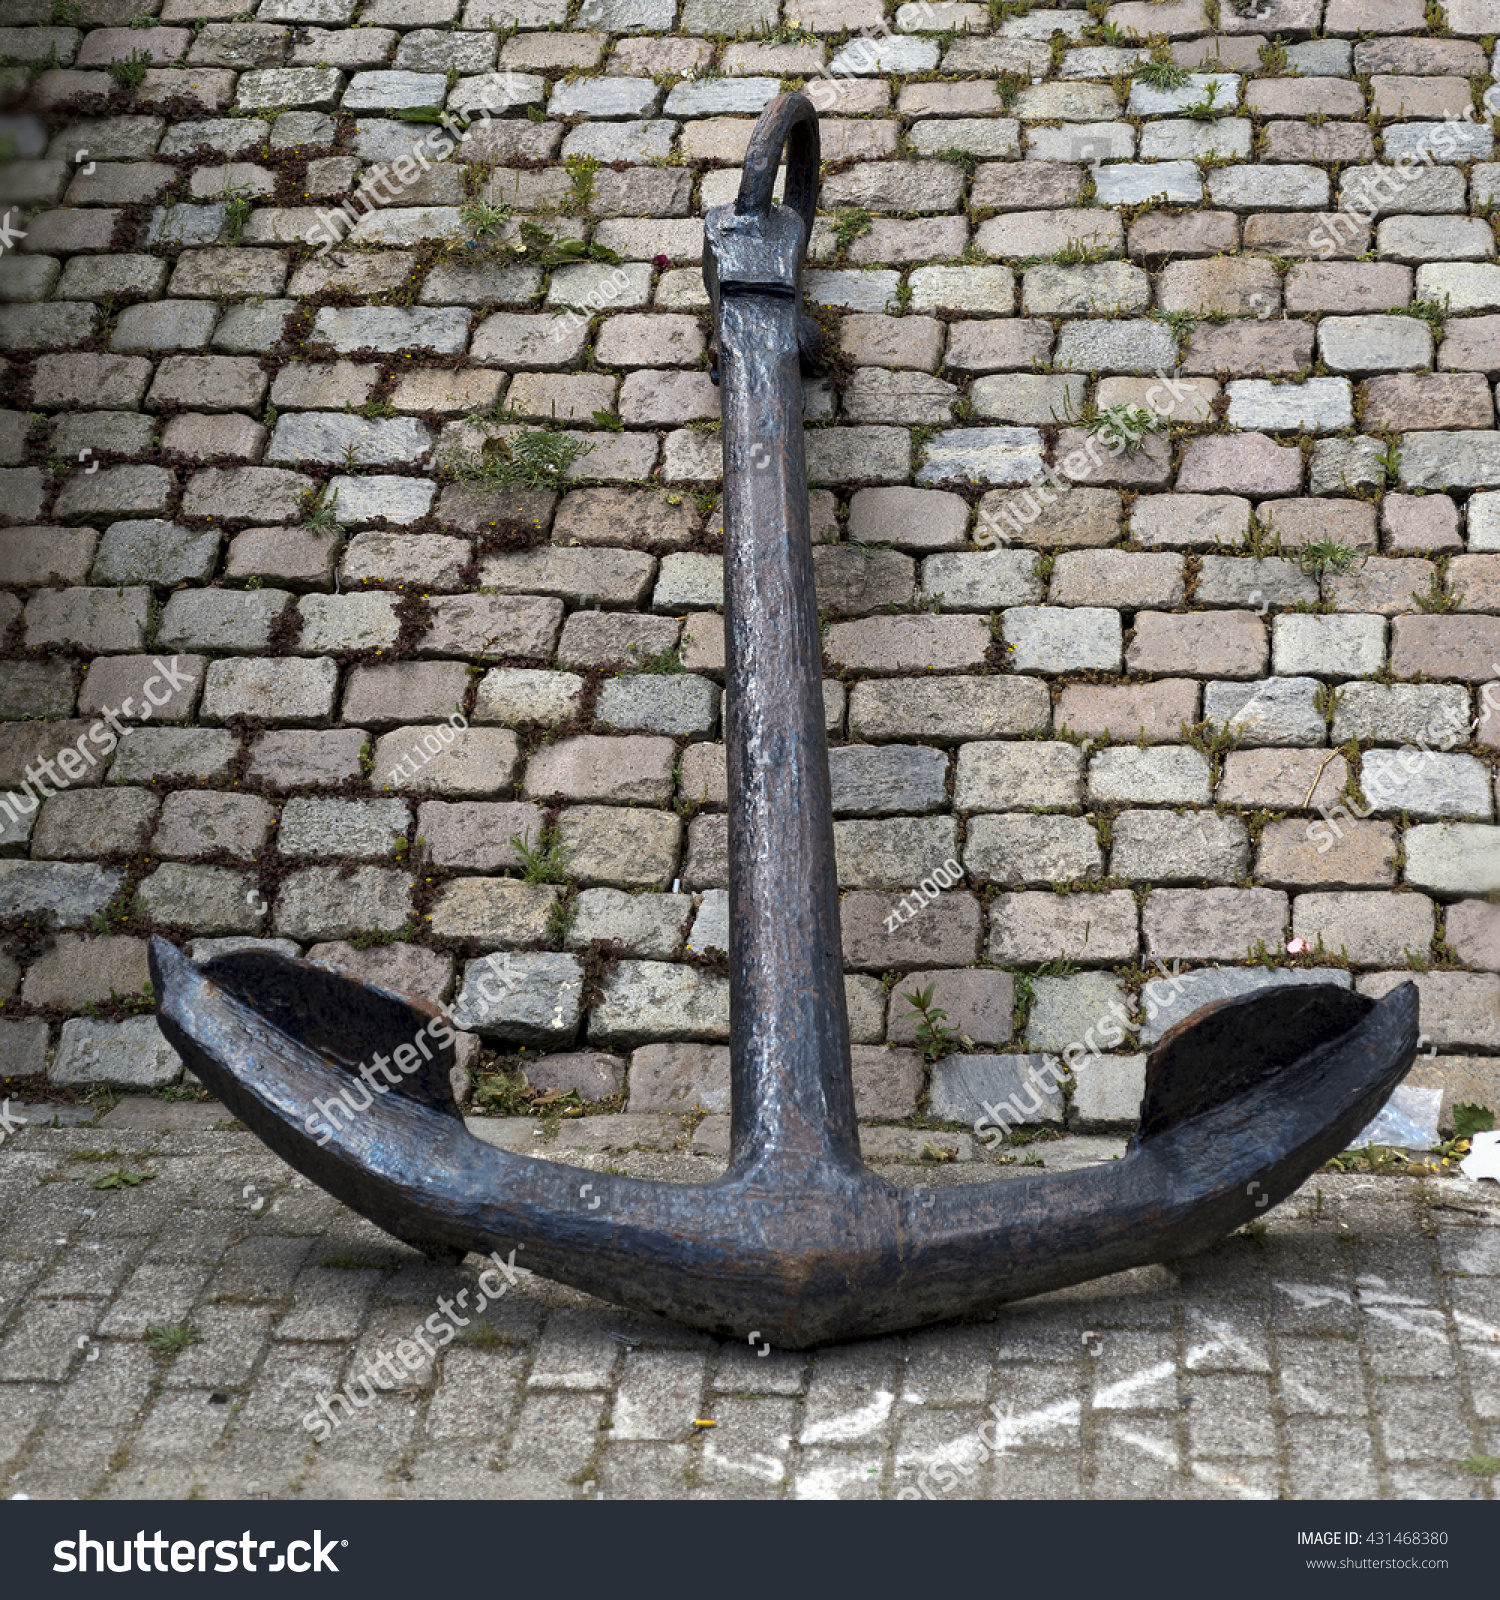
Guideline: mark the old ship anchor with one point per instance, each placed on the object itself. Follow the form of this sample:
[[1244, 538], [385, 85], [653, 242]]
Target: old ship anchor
[[798, 1240]]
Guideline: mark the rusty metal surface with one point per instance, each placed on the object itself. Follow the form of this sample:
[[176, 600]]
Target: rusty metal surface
[[799, 1239]]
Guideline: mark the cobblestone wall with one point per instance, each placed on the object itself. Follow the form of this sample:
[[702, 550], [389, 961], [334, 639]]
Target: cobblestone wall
[[1153, 468]]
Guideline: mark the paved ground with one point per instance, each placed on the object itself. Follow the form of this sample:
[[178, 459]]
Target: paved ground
[[1351, 1351], [1155, 487]]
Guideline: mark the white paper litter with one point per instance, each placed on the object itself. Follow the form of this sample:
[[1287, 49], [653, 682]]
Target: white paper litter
[[1408, 1121], [1483, 1159]]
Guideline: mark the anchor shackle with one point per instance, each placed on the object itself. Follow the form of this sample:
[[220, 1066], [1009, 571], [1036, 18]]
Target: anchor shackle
[[756, 247], [788, 123]]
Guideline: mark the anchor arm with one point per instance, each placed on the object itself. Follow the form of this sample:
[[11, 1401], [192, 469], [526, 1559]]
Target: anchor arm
[[842, 1256]]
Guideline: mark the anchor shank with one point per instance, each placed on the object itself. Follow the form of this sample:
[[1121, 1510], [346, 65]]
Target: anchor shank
[[793, 1097]]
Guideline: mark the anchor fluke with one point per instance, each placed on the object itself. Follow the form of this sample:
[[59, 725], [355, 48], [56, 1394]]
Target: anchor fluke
[[1229, 1046]]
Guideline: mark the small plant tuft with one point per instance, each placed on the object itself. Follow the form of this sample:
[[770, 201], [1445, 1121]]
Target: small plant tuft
[[1439, 595], [1325, 555], [934, 1037], [1162, 75], [483, 219], [1469, 1120], [130, 72], [171, 1338], [849, 224], [1127, 425], [547, 861], [323, 518], [581, 170], [665, 661], [531, 460], [237, 208], [121, 1179], [1008, 85], [1207, 109]]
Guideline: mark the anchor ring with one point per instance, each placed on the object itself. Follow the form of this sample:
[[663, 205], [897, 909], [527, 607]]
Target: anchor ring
[[789, 122]]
